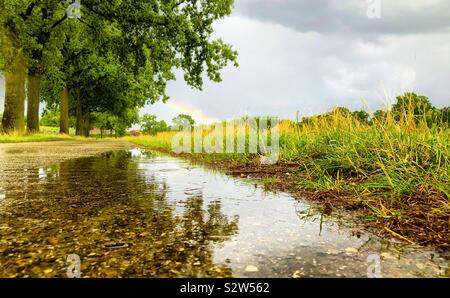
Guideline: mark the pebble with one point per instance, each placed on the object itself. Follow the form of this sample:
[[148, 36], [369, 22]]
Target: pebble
[[387, 255], [351, 250], [333, 252], [421, 266]]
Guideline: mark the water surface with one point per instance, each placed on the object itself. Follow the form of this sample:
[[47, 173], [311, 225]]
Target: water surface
[[134, 213]]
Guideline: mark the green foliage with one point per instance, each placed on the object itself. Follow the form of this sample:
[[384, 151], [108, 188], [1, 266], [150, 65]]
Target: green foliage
[[329, 116], [182, 120], [362, 116], [111, 122], [418, 106], [132, 48], [379, 116], [444, 116], [120, 54], [408, 107], [151, 126], [50, 118]]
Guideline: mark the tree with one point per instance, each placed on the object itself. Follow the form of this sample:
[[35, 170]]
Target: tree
[[412, 105], [339, 111], [104, 122], [41, 22], [444, 116], [182, 120], [379, 116], [123, 123], [117, 58], [50, 118], [150, 125], [362, 116], [14, 69], [113, 123], [137, 45], [27, 27]]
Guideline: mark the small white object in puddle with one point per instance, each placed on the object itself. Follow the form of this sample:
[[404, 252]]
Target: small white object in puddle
[[251, 268], [136, 152], [42, 173]]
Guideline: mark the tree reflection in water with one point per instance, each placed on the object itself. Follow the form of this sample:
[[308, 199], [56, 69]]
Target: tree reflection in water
[[117, 219]]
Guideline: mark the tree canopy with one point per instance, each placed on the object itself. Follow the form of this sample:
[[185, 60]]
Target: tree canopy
[[182, 120], [118, 56], [150, 124]]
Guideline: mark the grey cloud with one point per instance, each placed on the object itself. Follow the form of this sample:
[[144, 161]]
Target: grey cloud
[[350, 16], [284, 71]]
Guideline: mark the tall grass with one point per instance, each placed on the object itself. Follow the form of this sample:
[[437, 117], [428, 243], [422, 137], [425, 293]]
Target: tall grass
[[162, 140], [399, 157]]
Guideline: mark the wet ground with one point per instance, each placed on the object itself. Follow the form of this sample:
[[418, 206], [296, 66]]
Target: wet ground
[[133, 213]]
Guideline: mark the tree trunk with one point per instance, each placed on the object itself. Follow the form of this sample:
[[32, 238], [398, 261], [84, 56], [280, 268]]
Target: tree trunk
[[80, 124], [86, 124], [14, 72], [64, 111], [34, 90]]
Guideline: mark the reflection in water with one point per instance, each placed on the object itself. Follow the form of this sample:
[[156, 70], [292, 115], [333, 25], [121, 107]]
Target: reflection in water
[[108, 212], [131, 213]]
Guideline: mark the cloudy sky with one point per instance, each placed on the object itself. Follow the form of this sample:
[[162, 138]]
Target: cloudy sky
[[308, 56]]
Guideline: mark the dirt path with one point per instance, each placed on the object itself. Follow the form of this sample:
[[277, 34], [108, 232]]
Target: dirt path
[[38, 154]]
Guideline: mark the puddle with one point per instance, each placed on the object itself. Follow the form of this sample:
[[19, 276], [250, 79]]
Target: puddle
[[139, 214]]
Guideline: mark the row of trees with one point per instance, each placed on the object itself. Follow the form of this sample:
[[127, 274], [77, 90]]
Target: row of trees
[[408, 107], [105, 122], [151, 126], [105, 65]]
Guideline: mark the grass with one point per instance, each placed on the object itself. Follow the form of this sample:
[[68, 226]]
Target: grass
[[397, 174], [46, 134], [162, 141]]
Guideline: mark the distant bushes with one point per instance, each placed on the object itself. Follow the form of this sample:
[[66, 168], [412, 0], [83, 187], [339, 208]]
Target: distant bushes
[[50, 118], [409, 107]]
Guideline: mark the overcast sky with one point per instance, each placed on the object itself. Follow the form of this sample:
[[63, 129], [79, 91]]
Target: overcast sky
[[312, 55]]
